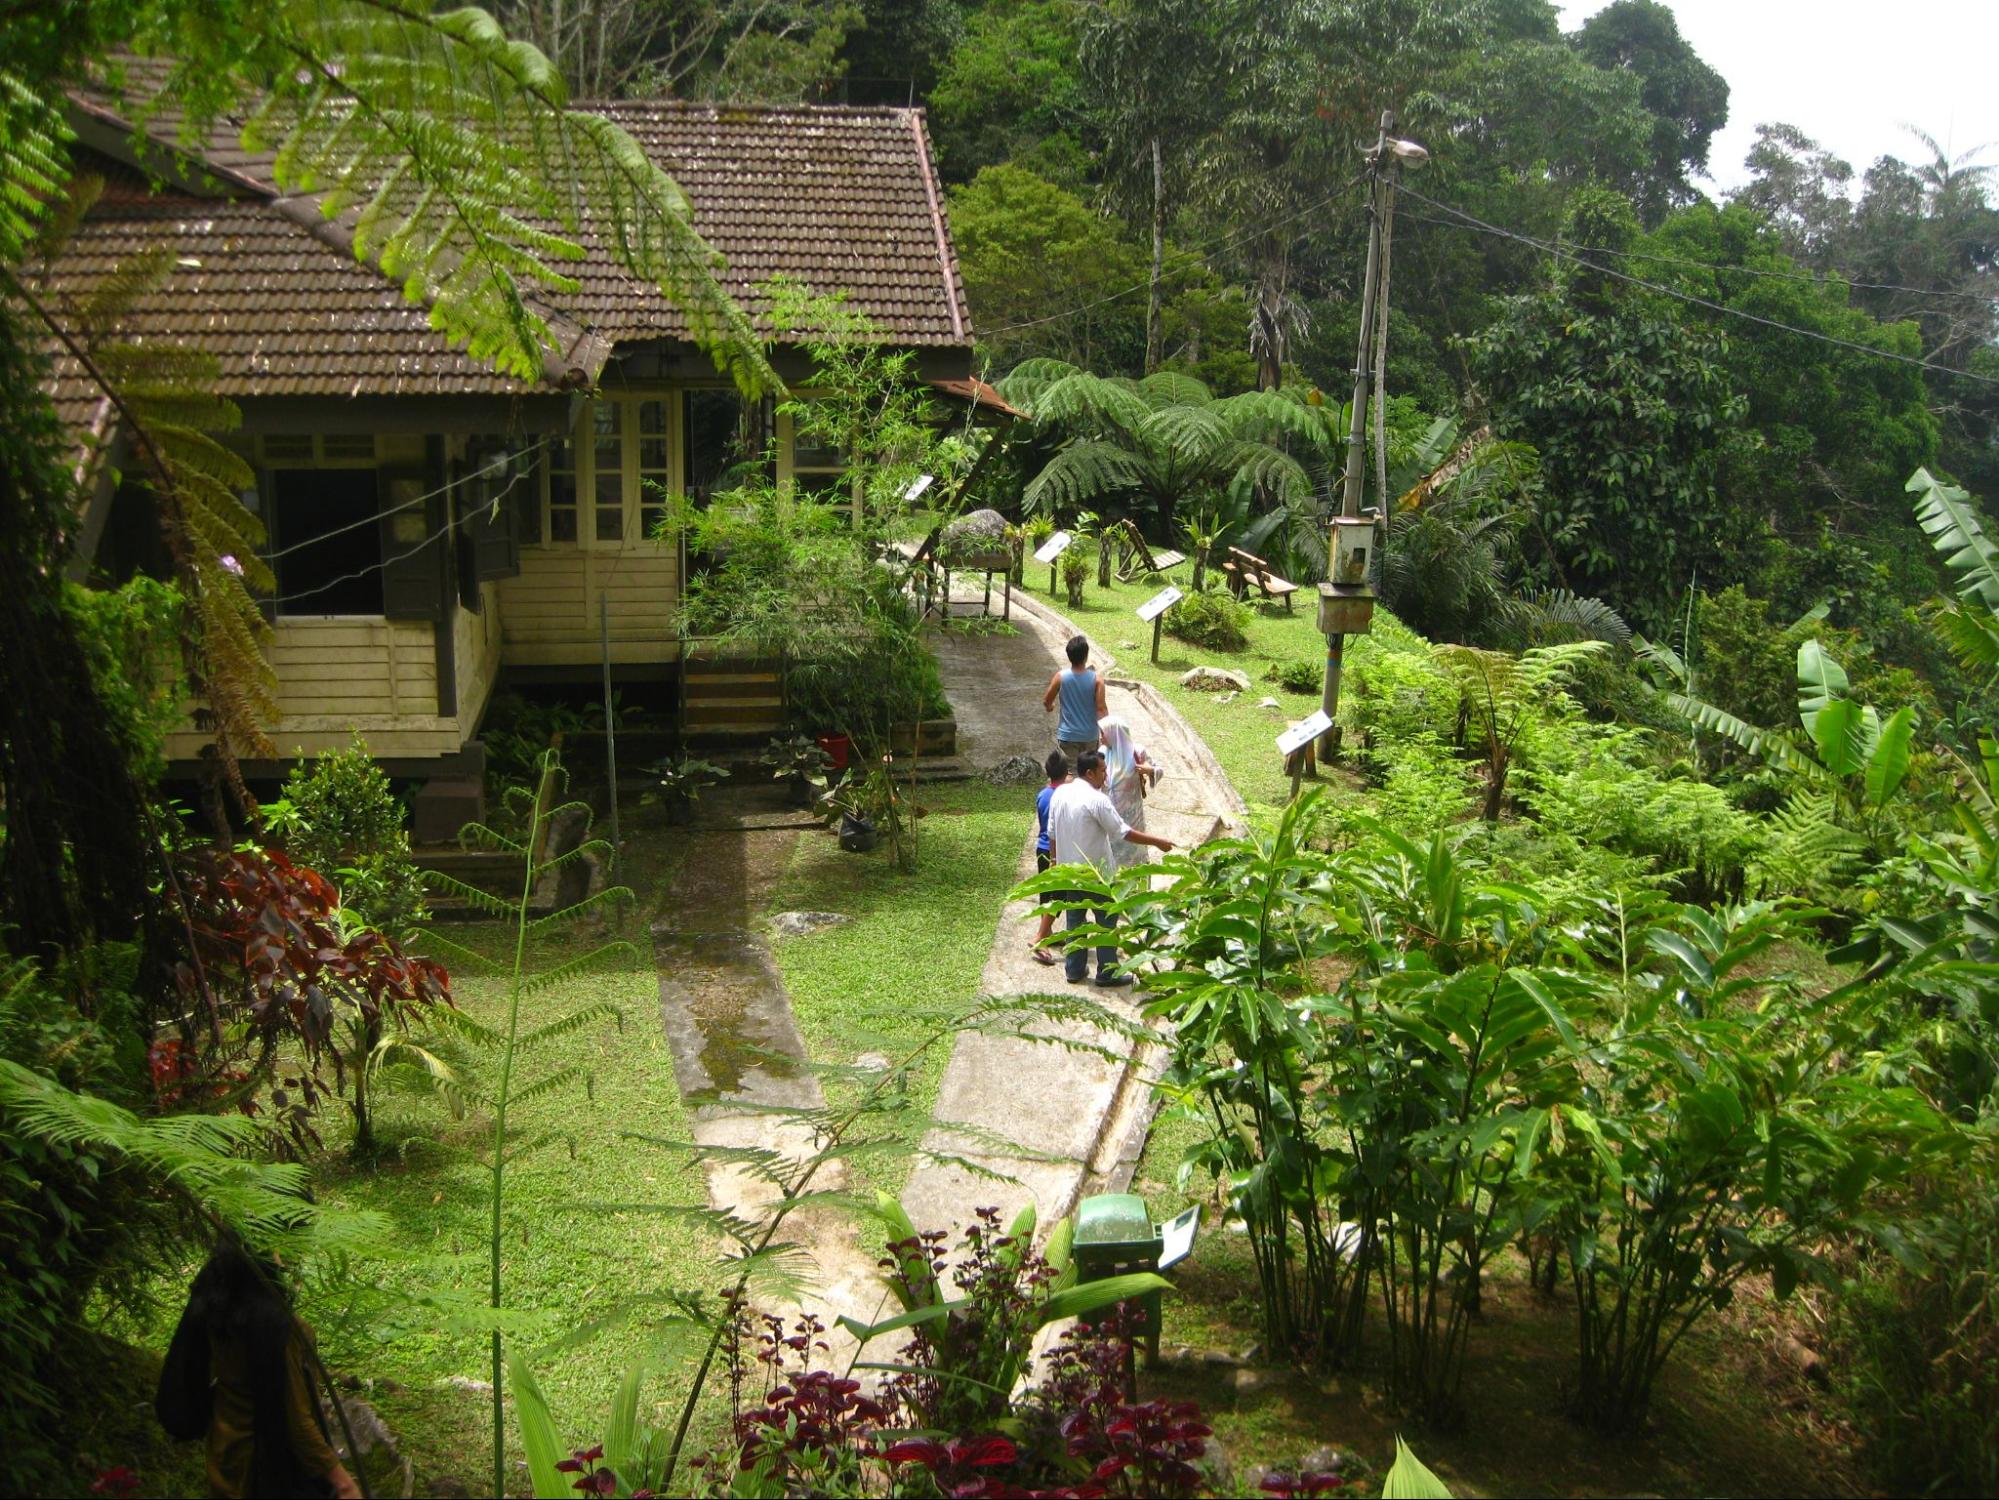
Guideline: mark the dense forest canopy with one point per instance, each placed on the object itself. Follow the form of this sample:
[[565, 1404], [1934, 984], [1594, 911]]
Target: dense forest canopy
[[1674, 750], [1137, 186]]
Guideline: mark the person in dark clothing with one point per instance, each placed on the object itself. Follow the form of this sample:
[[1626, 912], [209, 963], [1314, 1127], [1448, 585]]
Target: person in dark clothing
[[236, 1375]]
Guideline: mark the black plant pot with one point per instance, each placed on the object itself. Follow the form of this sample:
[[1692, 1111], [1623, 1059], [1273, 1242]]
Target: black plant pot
[[857, 835], [801, 791], [679, 810]]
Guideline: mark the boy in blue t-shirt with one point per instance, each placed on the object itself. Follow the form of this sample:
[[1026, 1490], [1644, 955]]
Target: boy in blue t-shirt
[[1057, 767]]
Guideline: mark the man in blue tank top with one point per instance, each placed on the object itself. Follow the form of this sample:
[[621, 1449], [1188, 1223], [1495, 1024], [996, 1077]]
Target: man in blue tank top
[[1080, 693]]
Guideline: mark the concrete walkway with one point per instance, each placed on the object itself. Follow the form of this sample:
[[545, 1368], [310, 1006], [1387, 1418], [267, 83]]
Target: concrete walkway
[[1079, 1119], [737, 1052]]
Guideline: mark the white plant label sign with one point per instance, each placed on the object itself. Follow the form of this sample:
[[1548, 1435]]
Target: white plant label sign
[[917, 486], [1303, 733], [1053, 548], [1159, 603]]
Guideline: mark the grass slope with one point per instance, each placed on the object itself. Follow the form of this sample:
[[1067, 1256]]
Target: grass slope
[[918, 942], [1242, 735]]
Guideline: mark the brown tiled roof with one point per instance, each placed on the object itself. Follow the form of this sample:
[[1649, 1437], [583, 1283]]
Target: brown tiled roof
[[840, 199], [283, 313]]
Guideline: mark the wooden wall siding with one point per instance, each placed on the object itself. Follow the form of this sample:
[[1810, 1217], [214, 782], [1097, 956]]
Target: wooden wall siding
[[476, 644], [549, 614], [342, 676]]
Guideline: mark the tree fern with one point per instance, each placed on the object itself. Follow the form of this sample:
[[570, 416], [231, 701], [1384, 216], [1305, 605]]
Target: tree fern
[[167, 398], [34, 163], [210, 1160]]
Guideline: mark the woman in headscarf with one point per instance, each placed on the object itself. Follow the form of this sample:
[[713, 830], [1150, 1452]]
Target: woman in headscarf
[[1130, 773], [235, 1374]]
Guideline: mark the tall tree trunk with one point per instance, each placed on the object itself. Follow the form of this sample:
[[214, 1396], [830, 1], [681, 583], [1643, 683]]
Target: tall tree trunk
[[1155, 321]]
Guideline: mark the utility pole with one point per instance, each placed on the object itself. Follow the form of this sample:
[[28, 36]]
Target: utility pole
[[1381, 165]]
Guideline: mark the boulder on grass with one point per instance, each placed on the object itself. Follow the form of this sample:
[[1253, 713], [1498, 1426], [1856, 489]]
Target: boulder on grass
[[1214, 680], [976, 539]]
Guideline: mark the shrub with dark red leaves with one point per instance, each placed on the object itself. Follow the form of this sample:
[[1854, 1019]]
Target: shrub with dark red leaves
[[270, 963], [1286, 1486]]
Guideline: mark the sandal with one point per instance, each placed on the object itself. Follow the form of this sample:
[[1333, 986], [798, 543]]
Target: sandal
[[1043, 956]]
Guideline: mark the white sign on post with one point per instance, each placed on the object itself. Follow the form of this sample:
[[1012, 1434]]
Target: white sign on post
[[1159, 603], [918, 485], [1303, 733], [1053, 548]]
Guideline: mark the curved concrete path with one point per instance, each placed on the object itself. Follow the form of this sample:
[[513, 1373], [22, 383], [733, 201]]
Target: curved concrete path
[[1077, 1119]]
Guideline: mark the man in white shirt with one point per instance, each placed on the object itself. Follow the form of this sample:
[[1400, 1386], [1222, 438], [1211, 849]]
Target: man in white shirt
[[1084, 829]]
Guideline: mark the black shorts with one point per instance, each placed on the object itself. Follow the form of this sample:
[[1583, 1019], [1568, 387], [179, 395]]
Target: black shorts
[[1040, 862]]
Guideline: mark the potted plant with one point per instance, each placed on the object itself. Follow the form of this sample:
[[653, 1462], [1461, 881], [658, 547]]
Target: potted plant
[[681, 781], [800, 764]]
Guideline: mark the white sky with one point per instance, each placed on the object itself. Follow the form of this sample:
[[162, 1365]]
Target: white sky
[[1849, 73]]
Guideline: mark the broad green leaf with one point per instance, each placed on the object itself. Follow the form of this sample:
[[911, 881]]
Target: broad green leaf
[[1820, 681], [930, 1312], [1092, 1296], [538, 1437], [1689, 958], [1888, 765], [621, 1434], [1836, 730], [1409, 1479]]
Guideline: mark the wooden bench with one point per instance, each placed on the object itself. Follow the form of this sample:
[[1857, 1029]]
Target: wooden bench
[[1246, 568], [1136, 559]]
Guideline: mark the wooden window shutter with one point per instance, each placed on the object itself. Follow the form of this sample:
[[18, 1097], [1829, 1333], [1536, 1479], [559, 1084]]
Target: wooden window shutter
[[416, 551], [493, 515]]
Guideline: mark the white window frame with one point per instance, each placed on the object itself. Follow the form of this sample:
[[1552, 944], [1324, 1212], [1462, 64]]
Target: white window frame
[[583, 455]]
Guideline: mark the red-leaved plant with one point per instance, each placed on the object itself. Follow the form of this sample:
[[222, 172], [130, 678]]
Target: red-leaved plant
[[271, 962]]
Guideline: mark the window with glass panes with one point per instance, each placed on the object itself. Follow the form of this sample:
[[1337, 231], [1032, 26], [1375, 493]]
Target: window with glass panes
[[607, 481], [816, 461]]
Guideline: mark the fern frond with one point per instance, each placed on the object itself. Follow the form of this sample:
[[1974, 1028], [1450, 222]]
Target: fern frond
[[610, 895], [34, 162], [1090, 403], [460, 954], [485, 900], [560, 1078], [1190, 433], [576, 1020], [470, 179], [488, 838], [205, 1157], [562, 972], [450, 1018], [1269, 416], [1082, 474], [1173, 388], [724, 1222]]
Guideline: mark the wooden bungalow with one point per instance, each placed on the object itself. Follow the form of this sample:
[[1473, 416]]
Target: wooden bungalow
[[404, 593]]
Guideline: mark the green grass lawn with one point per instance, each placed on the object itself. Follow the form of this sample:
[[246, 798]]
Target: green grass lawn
[[1242, 736], [918, 942], [568, 1251]]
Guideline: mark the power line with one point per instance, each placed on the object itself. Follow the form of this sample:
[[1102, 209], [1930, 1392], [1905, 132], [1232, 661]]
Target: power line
[[436, 536], [1462, 220], [1190, 255], [376, 518], [1816, 278]]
